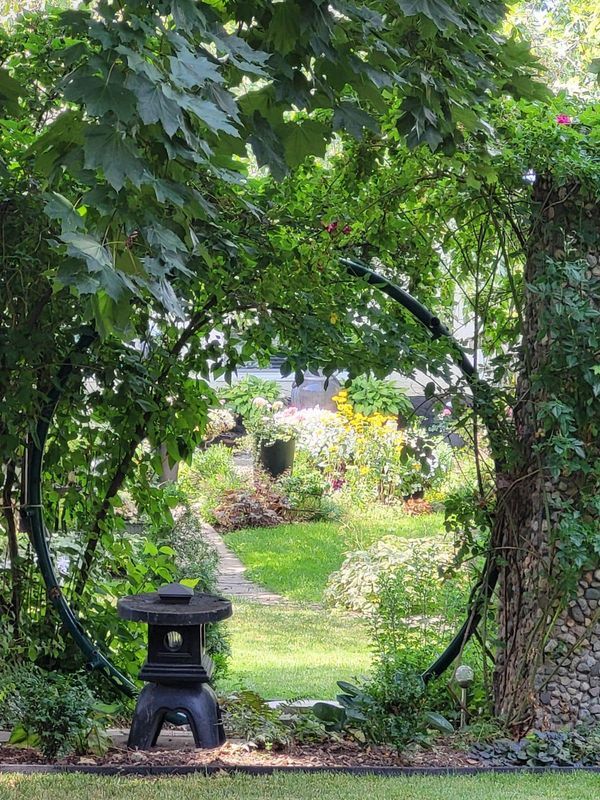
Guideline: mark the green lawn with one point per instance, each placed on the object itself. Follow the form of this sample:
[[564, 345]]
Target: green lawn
[[286, 652], [582, 786], [296, 560]]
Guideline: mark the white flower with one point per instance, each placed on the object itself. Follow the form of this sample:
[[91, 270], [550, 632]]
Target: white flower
[[62, 565], [260, 402]]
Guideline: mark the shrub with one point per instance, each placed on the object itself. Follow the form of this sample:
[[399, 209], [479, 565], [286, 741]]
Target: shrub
[[241, 395], [247, 715], [306, 492], [393, 464], [220, 420], [390, 708], [55, 712], [370, 395], [415, 564], [209, 477]]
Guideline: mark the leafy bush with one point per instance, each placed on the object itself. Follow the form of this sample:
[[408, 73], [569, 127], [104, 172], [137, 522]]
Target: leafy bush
[[370, 395], [402, 587], [247, 715], [209, 477], [220, 420], [323, 436], [241, 395], [393, 464], [306, 492], [389, 708], [414, 565], [54, 712], [257, 506]]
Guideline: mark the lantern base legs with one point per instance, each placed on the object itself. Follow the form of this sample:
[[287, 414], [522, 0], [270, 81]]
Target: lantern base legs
[[197, 702]]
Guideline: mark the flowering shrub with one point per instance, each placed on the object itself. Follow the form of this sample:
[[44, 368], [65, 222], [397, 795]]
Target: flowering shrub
[[392, 463], [241, 396], [270, 423], [323, 435], [220, 420]]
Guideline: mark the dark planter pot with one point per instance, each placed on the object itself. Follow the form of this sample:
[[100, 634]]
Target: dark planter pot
[[278, 457]]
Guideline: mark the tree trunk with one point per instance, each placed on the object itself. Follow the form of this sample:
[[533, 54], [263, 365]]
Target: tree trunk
[[548, 667]]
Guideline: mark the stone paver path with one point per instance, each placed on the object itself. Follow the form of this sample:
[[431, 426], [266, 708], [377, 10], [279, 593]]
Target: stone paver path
[[231, 581]]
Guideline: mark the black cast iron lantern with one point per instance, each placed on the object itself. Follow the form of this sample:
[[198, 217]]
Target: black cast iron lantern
[[177, 668]]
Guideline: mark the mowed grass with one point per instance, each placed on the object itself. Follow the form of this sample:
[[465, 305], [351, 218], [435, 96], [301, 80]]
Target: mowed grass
[[286, 652], [578, 786], [296, 560]]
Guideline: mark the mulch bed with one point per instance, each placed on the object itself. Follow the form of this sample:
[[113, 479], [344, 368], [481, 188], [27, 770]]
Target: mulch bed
[[235, 754]]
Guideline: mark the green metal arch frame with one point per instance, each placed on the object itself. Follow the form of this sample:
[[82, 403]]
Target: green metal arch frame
[[32, 509]]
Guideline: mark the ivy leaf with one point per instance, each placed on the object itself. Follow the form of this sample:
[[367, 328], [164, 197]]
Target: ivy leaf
[[350, 118], [439, 12], [304, 139], [284, 28], [107, 148], [100, 96], [154, 105], [189, 70]]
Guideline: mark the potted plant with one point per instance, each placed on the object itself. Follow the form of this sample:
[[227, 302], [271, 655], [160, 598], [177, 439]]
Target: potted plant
[[274, 437]]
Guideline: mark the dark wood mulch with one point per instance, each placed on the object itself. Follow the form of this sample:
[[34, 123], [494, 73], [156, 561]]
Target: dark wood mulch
[[234, 754]]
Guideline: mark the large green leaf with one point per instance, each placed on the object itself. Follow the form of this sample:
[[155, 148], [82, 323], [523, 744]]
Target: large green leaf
[[100, 96], [189, 70], [10, 91], [107, 148], [439, 12], [267, 147], [209, 114], [348, 117], [58, 207], [438, 722], [284, 28], [91, 250], [307, 138], [154, 105]]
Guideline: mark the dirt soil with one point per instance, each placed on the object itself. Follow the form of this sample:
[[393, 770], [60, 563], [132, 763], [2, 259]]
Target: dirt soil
[[233, 754]]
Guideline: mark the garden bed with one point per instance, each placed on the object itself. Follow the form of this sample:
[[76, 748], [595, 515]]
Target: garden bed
[[236, 754]]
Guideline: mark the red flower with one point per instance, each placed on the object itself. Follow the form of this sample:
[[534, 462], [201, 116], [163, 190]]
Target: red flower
[[563, 119], [332, 226], [346, 229]]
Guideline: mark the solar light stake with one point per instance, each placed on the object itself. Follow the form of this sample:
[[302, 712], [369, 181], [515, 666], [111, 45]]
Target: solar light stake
[[464, 677]]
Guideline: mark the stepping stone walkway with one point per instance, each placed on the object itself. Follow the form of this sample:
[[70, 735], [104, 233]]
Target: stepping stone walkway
[[231, 581]]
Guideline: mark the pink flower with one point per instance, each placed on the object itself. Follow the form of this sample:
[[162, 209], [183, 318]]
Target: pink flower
[[563, 119], [332, 226], [346, 229], [447, 412]]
